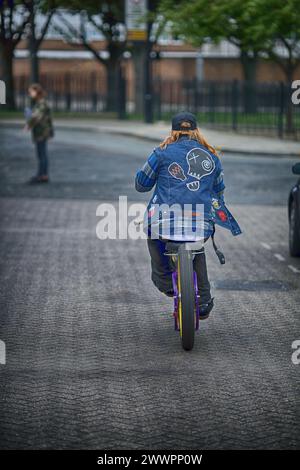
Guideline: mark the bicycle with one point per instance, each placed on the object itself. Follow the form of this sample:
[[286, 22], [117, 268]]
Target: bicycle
[[186, 299], [185, 286]]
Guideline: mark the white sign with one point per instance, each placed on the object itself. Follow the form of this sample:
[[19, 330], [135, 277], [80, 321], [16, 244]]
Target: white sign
[[135, 12], [2, 92]]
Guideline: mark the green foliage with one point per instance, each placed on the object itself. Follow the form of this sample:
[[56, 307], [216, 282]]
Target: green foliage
[[255, 26], [199, 21], [280, 27], [106, 16]]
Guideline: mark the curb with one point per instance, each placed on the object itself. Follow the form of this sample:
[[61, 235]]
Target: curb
[[155, 140]]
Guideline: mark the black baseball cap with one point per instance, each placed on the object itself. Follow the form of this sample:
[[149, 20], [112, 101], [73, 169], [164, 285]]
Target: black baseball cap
[[184, 117]]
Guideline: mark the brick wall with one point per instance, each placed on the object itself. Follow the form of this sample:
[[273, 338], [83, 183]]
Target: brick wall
[[170, 69], [165, 68]]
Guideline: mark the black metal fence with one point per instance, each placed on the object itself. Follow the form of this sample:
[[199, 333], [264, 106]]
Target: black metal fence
[[69, 92], [261, 108]]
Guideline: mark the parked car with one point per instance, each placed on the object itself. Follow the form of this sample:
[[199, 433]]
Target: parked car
[[294, 215]]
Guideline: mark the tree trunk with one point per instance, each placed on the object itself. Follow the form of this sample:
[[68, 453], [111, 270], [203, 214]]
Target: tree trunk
[[33, 48], [112, 78], [138, 56], [34, 66], [249, 64], [7, 55], [34, 61]]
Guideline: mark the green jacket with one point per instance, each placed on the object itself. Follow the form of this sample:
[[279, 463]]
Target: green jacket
[[40, 121]]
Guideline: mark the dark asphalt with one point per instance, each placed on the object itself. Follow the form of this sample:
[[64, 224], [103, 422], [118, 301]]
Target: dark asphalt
[[92, 358], [85, 165]]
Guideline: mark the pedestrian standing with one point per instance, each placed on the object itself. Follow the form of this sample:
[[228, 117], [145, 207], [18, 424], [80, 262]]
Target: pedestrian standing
[[39, 122]]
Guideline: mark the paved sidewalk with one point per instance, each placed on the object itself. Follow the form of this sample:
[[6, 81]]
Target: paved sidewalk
[[226, 141]]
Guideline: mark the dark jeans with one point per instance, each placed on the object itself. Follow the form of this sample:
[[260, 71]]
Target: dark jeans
[[42, 154], [162, 267]]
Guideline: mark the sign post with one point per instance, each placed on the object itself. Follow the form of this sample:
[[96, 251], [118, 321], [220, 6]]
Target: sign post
[[138, 33]]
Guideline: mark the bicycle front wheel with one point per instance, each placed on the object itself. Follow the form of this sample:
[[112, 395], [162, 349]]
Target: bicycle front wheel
[[186, 306]]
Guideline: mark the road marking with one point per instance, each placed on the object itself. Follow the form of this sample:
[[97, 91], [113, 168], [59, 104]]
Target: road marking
[[280, 258], [265, 245], [294, 269]]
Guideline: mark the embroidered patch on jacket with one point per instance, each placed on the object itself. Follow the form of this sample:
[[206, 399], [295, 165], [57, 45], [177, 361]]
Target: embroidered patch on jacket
[[215, 203], [193, 185], [200, 163], [176, 171], [222, 216]]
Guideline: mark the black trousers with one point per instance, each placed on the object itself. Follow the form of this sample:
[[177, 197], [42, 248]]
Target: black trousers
[[162, 268]]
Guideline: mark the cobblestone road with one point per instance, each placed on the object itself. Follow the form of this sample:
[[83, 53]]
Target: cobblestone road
[[92, 358]]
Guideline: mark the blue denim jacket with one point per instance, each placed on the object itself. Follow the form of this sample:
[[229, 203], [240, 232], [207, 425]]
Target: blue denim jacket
[[187, 173]]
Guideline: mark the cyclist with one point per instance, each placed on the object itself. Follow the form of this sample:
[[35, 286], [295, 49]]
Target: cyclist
[[185, 169]]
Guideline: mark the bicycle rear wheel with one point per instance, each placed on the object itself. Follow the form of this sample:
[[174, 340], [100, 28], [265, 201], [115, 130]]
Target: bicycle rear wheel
[[186, 305]]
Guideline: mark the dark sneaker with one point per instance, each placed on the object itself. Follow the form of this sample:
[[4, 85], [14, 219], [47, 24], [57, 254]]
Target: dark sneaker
[[205, 309], [170, 293], [44, 179], [38, 179], [35, 180]]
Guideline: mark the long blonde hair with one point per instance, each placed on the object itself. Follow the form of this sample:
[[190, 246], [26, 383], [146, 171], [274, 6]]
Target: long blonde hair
[[194, 134]]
